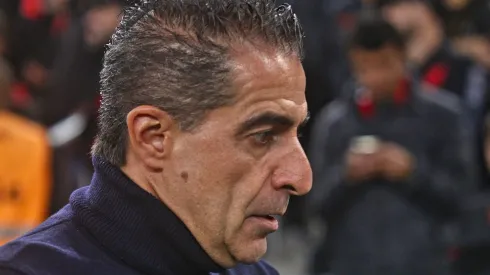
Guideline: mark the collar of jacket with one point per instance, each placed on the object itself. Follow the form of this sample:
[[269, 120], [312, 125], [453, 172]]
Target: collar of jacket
[[366, 107], [408, 95], [137, 228]]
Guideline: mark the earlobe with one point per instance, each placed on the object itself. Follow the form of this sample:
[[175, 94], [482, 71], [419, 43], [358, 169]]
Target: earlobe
[[149, 135]]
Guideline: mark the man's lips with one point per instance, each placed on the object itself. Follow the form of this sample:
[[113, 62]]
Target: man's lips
[[268, 217], [270, 222]]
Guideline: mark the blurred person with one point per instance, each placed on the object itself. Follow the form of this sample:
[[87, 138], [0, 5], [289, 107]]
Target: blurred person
[[197, 153], [473, 247], [437, 64], [34, 31], [483, 143], [427, 50], [423, 32], [32, 9], [463, 17], [474, 242], [82, 47], [467, 25], [25, 178], [99, 24], [388, 163], [475, 47], [73, 90]]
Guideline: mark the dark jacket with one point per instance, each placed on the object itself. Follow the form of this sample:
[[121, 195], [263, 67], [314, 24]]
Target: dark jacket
[[471, 83], [113, 227], [381, 227]]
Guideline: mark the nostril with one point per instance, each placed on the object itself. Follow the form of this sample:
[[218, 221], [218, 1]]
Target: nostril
[[290, 188]]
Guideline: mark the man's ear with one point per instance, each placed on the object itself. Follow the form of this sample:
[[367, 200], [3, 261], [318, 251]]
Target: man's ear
[[149, 133]]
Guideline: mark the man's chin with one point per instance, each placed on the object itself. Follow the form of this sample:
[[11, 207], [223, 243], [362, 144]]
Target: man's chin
[[251, 252]]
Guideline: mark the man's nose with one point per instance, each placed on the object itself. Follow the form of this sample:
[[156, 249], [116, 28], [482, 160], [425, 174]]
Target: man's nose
[[293, 172]]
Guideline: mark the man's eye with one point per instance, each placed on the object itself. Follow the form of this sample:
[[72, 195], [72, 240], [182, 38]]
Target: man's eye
[[264, 138]]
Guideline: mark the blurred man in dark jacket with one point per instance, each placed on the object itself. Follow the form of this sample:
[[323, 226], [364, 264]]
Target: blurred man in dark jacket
[[197, 152], [388, 162], [431, 54]]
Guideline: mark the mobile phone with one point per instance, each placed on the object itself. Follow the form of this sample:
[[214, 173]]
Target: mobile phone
[[365, 145]]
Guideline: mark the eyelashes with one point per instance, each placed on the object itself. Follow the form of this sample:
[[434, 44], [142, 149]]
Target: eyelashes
[[269, 137], [265, 138]]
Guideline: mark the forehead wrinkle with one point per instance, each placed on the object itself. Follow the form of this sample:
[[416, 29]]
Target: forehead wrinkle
[[262, 73]]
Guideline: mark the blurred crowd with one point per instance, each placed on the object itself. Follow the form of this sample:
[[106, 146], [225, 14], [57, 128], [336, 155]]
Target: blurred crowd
[[399, 95], [51, 56], [399, 139], [52, 53]]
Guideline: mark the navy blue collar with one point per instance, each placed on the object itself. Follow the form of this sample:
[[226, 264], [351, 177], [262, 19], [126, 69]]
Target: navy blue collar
[[137, 228]]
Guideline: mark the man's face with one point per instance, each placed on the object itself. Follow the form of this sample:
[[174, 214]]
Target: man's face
[[242, 164], [378, 70]]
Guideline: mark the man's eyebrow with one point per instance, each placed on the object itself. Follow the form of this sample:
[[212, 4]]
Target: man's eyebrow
[[263, 119]]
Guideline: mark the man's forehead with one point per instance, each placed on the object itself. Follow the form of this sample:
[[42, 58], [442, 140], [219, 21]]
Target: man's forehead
[[268, 71], [250, 59]]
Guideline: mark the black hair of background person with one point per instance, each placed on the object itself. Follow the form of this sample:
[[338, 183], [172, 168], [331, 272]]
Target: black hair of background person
[[373, 33]]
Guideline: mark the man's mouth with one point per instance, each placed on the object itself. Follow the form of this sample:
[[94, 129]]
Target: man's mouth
[[270, 217], [269, 223]]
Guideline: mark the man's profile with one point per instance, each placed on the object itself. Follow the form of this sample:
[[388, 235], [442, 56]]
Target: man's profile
[[197, 152]]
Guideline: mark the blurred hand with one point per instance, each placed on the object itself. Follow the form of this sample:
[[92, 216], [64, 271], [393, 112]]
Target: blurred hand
[[394, 162], [100, 23], [474, 47], [361, 167]]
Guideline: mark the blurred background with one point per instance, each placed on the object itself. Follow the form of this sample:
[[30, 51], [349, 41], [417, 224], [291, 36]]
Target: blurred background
[[51, 55]]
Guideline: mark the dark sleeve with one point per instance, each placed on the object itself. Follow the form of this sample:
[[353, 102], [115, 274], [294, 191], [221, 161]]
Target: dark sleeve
[[330, 141], [266, 269], [482, 18], [440, 179], [10, 271], [260, 268], [481, 133]]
